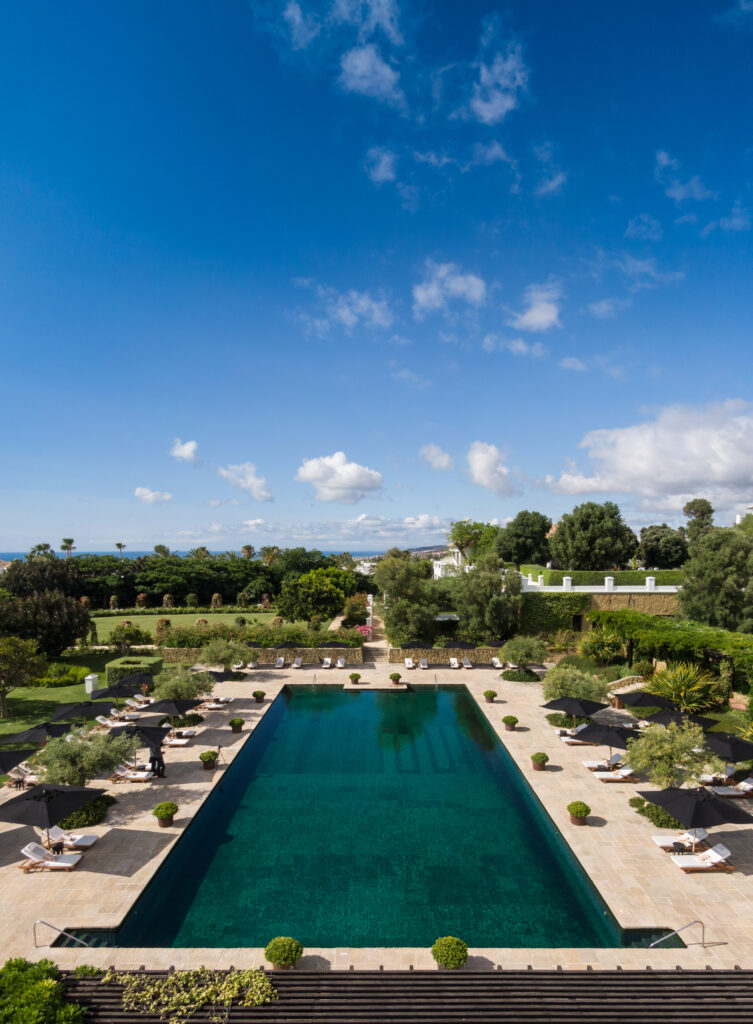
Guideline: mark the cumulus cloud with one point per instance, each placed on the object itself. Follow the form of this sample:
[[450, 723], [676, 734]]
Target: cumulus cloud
[[436, 457], [684, 452], [542, 307], [443, 283], [244, 475], [381, 165], [348, 309], [551, 185], [680, 191], [645, 227], [303, 28], [501, 79], [184, 451], [412, 379], [738, 220], [414, 530], [150, 497], [334, 478], [606, 309], [572, 363], [645, 273], [368, 16], [364, 70], [487, 468], [516, 346]]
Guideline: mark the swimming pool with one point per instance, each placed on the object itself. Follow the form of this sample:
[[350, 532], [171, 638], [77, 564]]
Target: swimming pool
[[371, 819]]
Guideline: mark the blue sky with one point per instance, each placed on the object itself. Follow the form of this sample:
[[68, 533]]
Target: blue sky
[[338, 272]]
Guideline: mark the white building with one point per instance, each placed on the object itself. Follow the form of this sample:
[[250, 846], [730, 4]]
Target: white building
[[450, 564]]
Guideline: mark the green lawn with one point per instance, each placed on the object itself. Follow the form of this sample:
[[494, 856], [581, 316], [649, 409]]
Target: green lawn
[[107, 623]]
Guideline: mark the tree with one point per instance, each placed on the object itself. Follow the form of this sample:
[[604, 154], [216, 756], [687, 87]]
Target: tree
[[43, 551], [688, 685], [20, 661], [66, 544], [51, 619], [661, 547], [569, 681], [593, 536], [22, 579], [314, 594], [673, 755], [75, 761], [344, 560], [718, 585], [411, 619], [399, 577], [700, 515], [465, 534], [525, 539], [200, 553], [248, 551], [487, 602], [178, 683], [121, 547], [224, 652], [162, 550], [125, 636], [524, 651], [269, 554]]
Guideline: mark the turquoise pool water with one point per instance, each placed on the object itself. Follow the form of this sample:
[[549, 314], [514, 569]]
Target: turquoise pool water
[[371, 819]]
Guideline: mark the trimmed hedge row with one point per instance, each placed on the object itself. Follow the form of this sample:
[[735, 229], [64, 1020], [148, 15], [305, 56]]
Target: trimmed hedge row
[[129, 665], [183, 609], [595, 578]]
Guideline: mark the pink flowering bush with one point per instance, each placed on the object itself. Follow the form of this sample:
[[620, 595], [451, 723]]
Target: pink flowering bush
[[365, 631]]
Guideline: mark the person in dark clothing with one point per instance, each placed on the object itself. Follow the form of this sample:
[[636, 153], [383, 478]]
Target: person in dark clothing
[[160, 762]]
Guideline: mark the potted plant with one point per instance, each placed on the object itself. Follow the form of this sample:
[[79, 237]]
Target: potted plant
[[450, 952], [283, 952], [578, 812], [165, 812], [258, 696], [209, 759], [489, 696], [236, 724], [395, 677], [509, 722], [538, 761], [354, 677]]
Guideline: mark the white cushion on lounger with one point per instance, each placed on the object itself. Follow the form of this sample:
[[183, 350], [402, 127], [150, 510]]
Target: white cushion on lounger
[[619, 775], [614, 760], [716, 855], [37, 853]]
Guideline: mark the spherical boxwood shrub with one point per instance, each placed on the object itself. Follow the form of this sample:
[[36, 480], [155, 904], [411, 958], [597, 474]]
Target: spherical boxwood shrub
[[490, 694], [208, 756], [519, 675], [539, 757], [578, 809], [354, 677], [237, 722], [509, 720], [258, 696], [450, 952], [165, 810], [395, 677], [643, 668], [283, 951]]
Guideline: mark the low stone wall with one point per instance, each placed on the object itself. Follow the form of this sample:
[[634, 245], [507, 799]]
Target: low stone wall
[[442, 655], [268, 656]]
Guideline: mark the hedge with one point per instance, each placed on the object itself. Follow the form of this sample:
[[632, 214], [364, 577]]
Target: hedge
[[132, 663], [267, 636], [595, 578], [547, 613], [183, 609]]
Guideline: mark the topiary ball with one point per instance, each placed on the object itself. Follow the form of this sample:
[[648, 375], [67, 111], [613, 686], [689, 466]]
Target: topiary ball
[[450, 952]]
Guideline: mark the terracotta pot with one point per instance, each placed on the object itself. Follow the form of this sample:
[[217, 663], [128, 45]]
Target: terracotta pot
[[489, 700], [236, 728], [259, 700], [165, 822], [283, 967], [577, 821], [509, 728], [619, 703], [210, 765], [538, 767]]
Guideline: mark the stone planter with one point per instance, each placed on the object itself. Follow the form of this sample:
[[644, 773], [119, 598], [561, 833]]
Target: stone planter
[[165, 822], [577, 821]]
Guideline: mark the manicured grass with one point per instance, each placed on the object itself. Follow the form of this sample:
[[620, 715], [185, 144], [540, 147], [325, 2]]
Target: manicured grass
[[107, 624], [729, 719]]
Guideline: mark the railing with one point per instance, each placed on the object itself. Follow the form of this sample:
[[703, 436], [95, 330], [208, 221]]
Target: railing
[[54, 927], [678, 930]]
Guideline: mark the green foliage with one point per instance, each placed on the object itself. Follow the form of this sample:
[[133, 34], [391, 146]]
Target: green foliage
[[546, 613], [601, 644], [178, 683], [687, 684], [208, 756], [700, 515], [32, 993], [356, 610], [562, 640], [487, 603], [165, 810], [642, 668], [524, 650], [224, 652], [258, 694], [320, 592], [202, 635], [578, 809], [354, 677], [119, 668], [406, 619], [673, 755], [524, 539], [74, 762], [655, 814], [19, 663], [395, 677], [94, 813], [236, 723], [50, 618], [126, 635], [60, 673], [539, 757], [509, 720], [465, 534], [661, 547], [569, 681], [595, 577], [593, 536], [718, 587], [519, 675], [177, 996], [560, 721], [402, 578], [88, 971], [283, 951], [450, 952], [490, 694]]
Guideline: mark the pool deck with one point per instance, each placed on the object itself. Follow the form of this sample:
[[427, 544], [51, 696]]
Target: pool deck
[[638, 881]]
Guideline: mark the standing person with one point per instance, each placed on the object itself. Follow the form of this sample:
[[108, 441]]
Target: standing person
[[154, 760], [160, 765]]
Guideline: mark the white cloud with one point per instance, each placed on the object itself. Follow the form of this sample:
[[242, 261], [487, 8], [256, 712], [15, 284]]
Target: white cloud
[[516, 346], [684, 452], [645, 227], [348, 310], [303, 28], [485, 155], [222, 502], [487, 469], [554, 179], [414, 380], [376, 531], [244, 475], [335, 479], [501, 79], [151, 497], [552, 185], [184, 451], [442, 283], [381, 165], [437, 160], [436, 457], [679, 191], [364, 70], [368, 16], [646, 273], [572, 363], [606, 309], [738, 220], [542, 307]]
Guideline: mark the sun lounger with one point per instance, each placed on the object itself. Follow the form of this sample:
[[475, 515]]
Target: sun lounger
[[715, 859], [250, 664], [618, 775], [668, 843], [297, 662], [68, 839], [137, 705], [211, 705], [176, 741], [129, 716], [238, 667], [709, 780], [326, 662], [409, 663], [125, 774], [423, 663], [604, 765], [280, 663], [496, 663], [454, 663], [183, 734], [37, 858], [340, 663], [106, 723], [571, 737], [467, 663], [20, 776]]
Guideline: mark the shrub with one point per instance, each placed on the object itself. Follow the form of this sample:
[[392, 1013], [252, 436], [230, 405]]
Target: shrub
[[240, 620], [192, 600], [113, 602], [687, 684], [177, 996], [32, 993], [450, 952], [142, 600], [216, 601], [165, 810], [354, 677], [490, 694], [161, 630], [283, 951], [560, 721], [523, 650], [167, 601], [93, 813], [509, 720], [655, 814], [237, 722], [561, 640], [258, 694], [208, 756], [177, 683], [546, 613], [578, 809], [519, 675], [568, 681], [185, 721], [395, 677], [119, 668], [61, 674], [603, 645], [539, 757]]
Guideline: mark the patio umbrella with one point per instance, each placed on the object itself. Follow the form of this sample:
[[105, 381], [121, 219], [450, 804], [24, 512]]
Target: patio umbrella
[[10, 758], [643, 699], [415, 645], [151, 736], [607, 736], [38, 733], [173, 709], [460, 645], [697, 808], [83, 709], [330, 643], [46, 804], [284, 646], [495, 643], [680, 718], [252, 643], [729, 747], [127, 687], [578, 707]]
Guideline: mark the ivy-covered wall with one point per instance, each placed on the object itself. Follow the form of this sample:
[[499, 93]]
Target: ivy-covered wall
[[547, 613]]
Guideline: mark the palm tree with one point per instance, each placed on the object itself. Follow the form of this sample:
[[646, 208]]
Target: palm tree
[[248, 551], [162, 550], [66, 545], [200, 552], [121, 547], [269, 554], [40, 551]]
